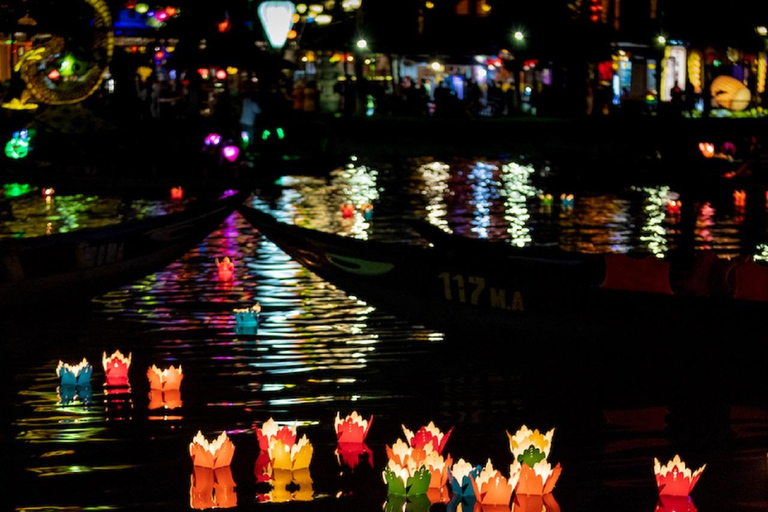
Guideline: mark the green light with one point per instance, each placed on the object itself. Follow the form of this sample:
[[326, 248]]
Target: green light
[[16, 189], [16, 148], [717, 63], [67, 66], [265, 134], [246, 140], [142, 8], [280, 134]]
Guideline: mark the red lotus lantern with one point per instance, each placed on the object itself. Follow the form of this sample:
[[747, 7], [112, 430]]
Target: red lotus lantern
[[116, 368]]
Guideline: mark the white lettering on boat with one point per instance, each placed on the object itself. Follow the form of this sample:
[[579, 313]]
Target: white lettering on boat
[[457, 287]]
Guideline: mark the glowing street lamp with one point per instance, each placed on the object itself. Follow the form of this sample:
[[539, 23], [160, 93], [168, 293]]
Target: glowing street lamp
[[362, 44], [518, 35], [277, 19]]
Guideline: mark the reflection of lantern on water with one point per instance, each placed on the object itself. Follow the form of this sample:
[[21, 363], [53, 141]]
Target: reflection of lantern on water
[[674, 479], [288, 486], [534, 503], [460, 503], [216, 454], [429, 434], [116, 368], [675, 504], [247, 319], [739, 198], [164, 380], [673, 207], [170, 399], [367, 210], [491, 487], [415, 503], [74, 375], [566, 201], [347, 211], [226, 269], [69, 394], [212, 488], [352, 429], [48, 194], [177, 193], [291, 456]]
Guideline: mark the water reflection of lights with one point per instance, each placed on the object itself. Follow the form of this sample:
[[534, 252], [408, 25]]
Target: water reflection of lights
[[654, 232], [517, 189], [484, 194], [435, 176]]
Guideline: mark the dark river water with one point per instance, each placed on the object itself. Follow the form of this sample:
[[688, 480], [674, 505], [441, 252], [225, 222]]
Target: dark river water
[[319, 352]]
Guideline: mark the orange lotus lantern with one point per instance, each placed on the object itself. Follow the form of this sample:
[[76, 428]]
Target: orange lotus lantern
[[226, 269], [739, 198], [216, 454], [212, 488], [673, 207], [438, 468], [674, 479], [427, 435], [707, 149], [164, 380], [177, 193], [116, 368], [536, 480], [491, 487], [352, 429]]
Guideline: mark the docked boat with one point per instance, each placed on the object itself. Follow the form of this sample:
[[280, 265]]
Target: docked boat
[[80, 264], [475, 288]]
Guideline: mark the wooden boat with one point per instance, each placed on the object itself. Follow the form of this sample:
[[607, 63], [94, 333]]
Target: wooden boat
[[476, 290], [80, 264]]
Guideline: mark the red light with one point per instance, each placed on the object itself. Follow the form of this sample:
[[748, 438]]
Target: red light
[[160, 55], [221, 74], [54, 74]]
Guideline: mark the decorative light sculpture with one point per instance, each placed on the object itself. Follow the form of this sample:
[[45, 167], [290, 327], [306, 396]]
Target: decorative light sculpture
[[74, 375], [216, 454], [276, 17], [116, 368], [674, 479], [730, 93]]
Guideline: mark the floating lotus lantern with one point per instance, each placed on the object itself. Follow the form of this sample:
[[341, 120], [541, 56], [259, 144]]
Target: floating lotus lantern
[[212, 488], [438, 468], [177, 193], [226, 269], [739, 198], [216, 454], [212, 139], [74, 375], [673, 207], [270, 432], [367, 210], [427, 435], [352, 429], [48, 194], [351, 454], [566, 201], [347, 211], [303, 479], [459, 474], [247, 319], [674, 479], [707, 149], [291, 456], [546, 199], [530, 449], [116, 368], [491, 487], [406, 480], [164, 380]]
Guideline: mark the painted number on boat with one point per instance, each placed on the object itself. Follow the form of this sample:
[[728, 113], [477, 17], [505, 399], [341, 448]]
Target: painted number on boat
[[472, 289], [89, 256]]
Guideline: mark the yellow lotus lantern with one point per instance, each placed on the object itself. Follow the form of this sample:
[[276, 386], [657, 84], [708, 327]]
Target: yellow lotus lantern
[[216, 454], [491, 487], [530, 450], [164, 380], [291, 456], [674, 479], [530, 446]]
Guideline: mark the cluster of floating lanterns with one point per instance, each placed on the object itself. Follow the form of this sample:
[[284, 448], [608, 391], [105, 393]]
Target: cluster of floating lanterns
[[566, 201], [348, 211], [75, 381], [418, 472]]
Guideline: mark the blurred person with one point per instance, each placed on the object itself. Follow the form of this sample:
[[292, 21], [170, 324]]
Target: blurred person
[[249, 113]]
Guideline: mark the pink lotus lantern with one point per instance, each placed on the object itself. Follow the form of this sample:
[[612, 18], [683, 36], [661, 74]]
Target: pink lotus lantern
[[216, 454], [212, 139], [491, 487], [347, 211], [270, 432], [212, 488], [427, 435], [116, 368], [226, 269], [164, 380], [177, 193], [352, 429], [674, 479]]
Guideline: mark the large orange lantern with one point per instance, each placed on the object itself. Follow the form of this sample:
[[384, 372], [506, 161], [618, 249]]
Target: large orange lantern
[[730, 93]]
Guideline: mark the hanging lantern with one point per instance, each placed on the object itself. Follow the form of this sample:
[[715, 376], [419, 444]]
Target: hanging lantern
[[277, 19], [730, 93]]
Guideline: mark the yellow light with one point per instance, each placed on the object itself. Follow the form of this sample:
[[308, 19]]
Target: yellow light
[[761, 72], [292, 34], [231, 70], [301, 8], [296, 17], [762, 30], [316, 8], [323, 19], [661, 40], [429, 5], [694, 70], [485, 7], [436, 66], [350, 58]]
